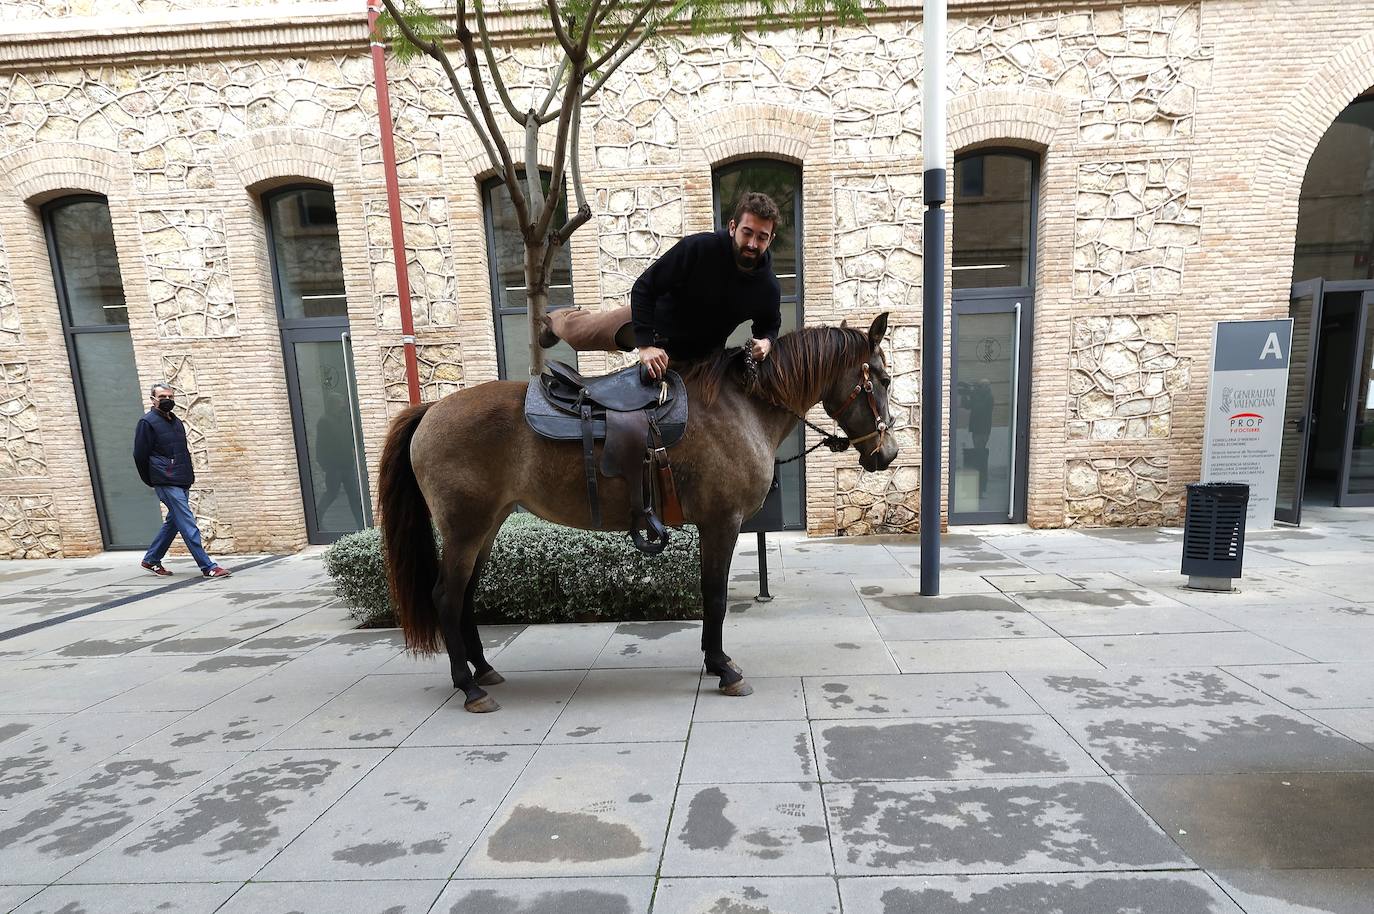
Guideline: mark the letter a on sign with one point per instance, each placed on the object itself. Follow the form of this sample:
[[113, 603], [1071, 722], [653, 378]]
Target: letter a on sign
[[1271, 347]]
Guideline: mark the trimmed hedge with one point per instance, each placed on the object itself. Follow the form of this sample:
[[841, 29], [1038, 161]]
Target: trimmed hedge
[[541, 572]]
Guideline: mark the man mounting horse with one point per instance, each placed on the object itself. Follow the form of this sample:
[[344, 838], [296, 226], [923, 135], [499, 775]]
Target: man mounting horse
[[464, 463], [687, 303]]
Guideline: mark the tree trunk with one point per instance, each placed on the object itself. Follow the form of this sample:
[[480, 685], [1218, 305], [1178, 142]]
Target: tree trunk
[[537, 296]]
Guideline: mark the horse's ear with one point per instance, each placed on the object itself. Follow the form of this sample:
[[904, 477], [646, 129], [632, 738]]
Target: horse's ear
[[875, 332], [844, 324]]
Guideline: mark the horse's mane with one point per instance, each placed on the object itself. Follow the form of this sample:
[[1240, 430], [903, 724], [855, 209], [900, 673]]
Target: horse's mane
[[795, 373]]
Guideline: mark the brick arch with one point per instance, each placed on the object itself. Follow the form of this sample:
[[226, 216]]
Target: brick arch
[[1300, 126], [273, 156], [45, 171], [1008, 116], [759, 129], [478, 165]]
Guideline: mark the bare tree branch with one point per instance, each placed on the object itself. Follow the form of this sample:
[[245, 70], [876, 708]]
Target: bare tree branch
[[649, 31], [553, 90], [533, 179], [491, 63], [575, 158], [556, 18], [565, 115], [623, 37]]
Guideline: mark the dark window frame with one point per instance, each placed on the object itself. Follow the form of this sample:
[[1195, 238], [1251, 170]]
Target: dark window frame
[[296, 323], [1033, 242]]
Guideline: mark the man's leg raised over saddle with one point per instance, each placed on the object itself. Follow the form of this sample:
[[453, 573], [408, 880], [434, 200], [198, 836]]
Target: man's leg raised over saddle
[[586, 330]]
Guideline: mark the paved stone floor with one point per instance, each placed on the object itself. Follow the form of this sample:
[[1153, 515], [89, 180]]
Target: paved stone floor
[[1066, 729]]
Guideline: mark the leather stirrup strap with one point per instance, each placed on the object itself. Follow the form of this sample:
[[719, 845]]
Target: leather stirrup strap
[[589, 461], [646, 530]]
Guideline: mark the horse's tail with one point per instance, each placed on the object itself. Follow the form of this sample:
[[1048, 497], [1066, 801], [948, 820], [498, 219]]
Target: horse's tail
[[412, 565]]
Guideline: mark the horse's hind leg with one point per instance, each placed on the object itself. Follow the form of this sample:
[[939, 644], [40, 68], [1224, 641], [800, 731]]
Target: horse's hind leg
[[483, 672], [459, 558]]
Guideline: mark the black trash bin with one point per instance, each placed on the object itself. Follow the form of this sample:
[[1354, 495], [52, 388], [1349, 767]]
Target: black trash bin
[[1214, 534]]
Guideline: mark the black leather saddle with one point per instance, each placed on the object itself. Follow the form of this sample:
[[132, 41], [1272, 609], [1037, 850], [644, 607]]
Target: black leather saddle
[[633, 418]]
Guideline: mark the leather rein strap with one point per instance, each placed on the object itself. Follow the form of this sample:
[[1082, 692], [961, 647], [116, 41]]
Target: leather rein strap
[[836, 443]]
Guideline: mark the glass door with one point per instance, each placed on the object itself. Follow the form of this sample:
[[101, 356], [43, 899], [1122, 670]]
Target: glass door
[[1305, 307], [328, 426], [989, 431], [1357, 464]]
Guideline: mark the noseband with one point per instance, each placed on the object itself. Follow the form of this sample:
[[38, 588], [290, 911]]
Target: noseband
[[879, 426]]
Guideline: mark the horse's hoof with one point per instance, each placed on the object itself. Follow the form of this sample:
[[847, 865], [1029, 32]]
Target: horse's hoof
[[737, 689], [490, 678], [484, 705]]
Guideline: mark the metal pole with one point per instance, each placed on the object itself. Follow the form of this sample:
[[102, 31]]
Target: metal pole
[[764, 596], [933, 294], [393, 199]]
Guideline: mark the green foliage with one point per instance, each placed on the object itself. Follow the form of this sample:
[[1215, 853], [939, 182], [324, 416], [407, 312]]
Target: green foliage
[[540, 572]]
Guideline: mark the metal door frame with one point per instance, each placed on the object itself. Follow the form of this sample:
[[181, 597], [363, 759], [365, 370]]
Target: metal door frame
[[1316, 289], [1019, 302], [1343, 497], [317, 334]]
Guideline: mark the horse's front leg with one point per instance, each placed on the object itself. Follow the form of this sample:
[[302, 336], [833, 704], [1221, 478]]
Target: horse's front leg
[[717, 549]]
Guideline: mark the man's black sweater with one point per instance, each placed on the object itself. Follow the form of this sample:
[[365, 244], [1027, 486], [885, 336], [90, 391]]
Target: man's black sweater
[[693, 297]]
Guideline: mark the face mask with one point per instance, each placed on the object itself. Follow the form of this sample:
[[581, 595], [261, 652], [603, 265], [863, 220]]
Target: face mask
[[166, 404]]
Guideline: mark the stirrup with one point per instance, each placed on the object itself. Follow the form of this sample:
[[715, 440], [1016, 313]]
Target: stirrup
[[653, 539]]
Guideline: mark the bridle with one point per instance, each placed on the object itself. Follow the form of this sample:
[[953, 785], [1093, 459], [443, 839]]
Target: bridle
[[836, 443]]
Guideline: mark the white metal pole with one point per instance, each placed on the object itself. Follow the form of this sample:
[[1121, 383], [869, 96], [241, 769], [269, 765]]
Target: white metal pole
[[933, 293]]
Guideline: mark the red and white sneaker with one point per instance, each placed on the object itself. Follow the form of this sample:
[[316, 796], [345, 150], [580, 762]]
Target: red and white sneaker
[[156, 568], [215, 571]]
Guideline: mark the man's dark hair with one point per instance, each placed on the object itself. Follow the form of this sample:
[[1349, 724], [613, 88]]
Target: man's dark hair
[[760, 205]]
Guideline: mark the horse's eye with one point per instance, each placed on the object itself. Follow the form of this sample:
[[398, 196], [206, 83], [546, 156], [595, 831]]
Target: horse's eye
[[887, 380]]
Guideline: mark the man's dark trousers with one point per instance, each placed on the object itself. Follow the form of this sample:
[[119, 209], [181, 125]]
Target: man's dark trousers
[[179, 520]]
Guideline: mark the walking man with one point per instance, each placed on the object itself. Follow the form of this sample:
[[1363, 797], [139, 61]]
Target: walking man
[[164, 462]]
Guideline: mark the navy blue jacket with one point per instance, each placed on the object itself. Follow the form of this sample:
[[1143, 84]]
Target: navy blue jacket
[[160, 451], [693, 297]]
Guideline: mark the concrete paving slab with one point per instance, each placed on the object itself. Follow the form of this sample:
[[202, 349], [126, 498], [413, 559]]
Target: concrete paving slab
[[753, 630], [737, 752], [586, 810], [1303, 820], [989, 654], [916, 695], [812, 658], [1215, 740], [231, 826], [414, 816], [557, 647], [714, 895], [748, 830], [1314, 685], [116, 638], [48, 835], [1192, 649], [1123, 597], [75, 685], [1097, 893], [623, 895], [409, 897], [1026, 583], [166, 898], [948, 748], [11, 896], [1002, 826], [12, 726], [375, 711], [1356, 723], [618, 706], [36, 762], [1119, 689], [951, 584], [1015, 623], [1324, 645], [1315, 611], [530, 703], [203, 680], [774, 698], [652, 644], [1147, 620], [1286, 891], [879, 602]]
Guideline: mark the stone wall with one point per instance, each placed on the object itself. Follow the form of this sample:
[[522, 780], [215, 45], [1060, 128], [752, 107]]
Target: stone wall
[[1169, 162]]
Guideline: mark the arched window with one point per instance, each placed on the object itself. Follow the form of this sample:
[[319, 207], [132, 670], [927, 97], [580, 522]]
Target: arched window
[[506, 259], [110, 398], [782, 181], [1336, 207]]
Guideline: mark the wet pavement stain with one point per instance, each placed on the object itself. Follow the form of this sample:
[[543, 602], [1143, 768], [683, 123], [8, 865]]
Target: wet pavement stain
[[1201, 690], [802, 746], [372, 854], [936, 749], [9, 731], [282, 643], [706, 827], [640, 798], [727, 905], [912, 603], [653, 631], [77, 819], [103, 648], [1147, 895], [20, 774], [1081, 824], [369, 737], [193, 645], [1095, 599], [240, 810], [578, 901], [580, 732], [216, 664], [534, 834], [192, 739]]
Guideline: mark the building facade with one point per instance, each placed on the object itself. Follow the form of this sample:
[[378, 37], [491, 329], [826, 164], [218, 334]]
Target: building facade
[[194, 192]]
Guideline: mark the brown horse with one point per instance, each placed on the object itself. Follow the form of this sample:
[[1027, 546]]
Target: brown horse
[[466, 462]]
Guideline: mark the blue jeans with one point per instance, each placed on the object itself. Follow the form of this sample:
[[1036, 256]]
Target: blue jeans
[[179, 520]]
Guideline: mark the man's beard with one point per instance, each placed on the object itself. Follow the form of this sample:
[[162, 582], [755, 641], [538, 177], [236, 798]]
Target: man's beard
[[743, 262]]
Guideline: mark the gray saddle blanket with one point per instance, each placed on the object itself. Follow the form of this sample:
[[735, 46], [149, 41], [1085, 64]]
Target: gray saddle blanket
[[553, 402]]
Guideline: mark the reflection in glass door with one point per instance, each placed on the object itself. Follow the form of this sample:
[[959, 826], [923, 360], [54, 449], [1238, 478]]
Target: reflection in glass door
[[990, 378], [1304, 307], [1357, 466], [312, 309]]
